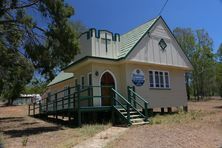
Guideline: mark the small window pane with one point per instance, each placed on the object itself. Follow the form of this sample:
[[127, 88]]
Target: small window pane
[[166, 80], [90, 79], [161, 80], [151, 79], [157, 79]]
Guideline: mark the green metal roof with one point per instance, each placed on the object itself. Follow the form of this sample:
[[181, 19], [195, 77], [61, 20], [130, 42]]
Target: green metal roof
[[62, 76], [131, 38]]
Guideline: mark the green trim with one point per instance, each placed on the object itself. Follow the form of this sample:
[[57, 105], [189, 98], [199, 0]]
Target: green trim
[[97, 34], [91, 57]]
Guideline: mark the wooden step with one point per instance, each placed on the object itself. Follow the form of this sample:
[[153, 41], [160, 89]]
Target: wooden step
[[131, 112], [134, 116], [140, 123], [137, 120]]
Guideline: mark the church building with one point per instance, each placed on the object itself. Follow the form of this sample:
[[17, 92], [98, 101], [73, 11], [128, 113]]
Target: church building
[[148, 58]]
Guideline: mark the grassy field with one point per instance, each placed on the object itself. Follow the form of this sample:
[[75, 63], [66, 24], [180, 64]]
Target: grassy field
[[19, 130]]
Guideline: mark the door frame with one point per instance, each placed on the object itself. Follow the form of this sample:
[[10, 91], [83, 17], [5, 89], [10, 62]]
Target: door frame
[[114, 78]]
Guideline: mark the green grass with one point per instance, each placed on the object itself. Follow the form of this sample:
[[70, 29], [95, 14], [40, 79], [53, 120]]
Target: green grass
[[179, 117]]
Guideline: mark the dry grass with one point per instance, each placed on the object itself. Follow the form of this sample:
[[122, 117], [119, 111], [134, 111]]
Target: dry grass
[[19, 130], [180, 117], [200, 127]]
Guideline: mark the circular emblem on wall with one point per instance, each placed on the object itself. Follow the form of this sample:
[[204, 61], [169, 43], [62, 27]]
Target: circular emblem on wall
[[138, 77]]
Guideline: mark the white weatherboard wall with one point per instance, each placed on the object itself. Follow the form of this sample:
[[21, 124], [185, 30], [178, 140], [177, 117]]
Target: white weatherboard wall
[[149, 51], [173, 97], [85, 46], [95, 45], [99, 45]]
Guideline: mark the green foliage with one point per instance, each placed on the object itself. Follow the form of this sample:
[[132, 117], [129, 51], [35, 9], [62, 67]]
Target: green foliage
[[15, 73], [47, 44], [198, 47], [35, 87]]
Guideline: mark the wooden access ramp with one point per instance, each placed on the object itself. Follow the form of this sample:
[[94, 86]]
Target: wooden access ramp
[[74, 101]]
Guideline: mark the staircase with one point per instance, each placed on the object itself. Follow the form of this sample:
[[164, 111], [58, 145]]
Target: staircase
[[131, 110], [135, 117]]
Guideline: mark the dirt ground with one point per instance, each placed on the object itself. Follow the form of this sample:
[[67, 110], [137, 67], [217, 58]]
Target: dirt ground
[[200, 131], [200, 127], [19, 130]]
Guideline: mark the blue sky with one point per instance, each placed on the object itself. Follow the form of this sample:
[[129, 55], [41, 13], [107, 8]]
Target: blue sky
[[119, 16]]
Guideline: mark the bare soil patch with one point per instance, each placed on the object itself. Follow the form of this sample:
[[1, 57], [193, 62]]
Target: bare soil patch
[[200, 127], [19, 130]]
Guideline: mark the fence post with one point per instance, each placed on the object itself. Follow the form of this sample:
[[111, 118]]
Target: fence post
[[47, 102], [33, 109], [29, 110], [56, 104], [146, 111], [129, 94], [69, 103], [68, 97], [88, 91], [128, 113], [134, 97], [78, 107]]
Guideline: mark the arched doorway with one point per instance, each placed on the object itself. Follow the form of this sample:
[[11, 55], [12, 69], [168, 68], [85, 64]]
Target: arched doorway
[[106, 92]]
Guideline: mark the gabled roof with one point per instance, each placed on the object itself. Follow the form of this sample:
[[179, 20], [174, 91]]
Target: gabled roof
[[62, 76], [131, 38]]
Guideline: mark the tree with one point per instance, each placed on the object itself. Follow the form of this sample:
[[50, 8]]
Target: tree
[[15, 73], [34, 33], [36, 86], [198, 47], [219, 70], [186, 39], [50, 43]]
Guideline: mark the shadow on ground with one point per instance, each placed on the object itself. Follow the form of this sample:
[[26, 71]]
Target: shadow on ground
[[30, 131]]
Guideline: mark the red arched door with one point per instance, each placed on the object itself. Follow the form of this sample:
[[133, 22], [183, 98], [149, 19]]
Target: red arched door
[[106, 92]]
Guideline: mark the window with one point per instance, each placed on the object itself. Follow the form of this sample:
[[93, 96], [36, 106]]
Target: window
[[82, 82], [159, 79], [90, 79], [162, 44], [167, 80], [151, 78]]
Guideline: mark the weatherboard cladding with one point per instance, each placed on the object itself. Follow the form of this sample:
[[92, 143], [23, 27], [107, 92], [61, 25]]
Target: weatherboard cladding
[[130, 39], [127, 43]]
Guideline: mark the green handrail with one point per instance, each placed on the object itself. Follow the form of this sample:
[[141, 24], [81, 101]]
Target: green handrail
[[128, 105], [135, 100]]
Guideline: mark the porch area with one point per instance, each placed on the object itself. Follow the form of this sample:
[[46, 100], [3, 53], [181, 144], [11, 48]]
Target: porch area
[[76, 102]]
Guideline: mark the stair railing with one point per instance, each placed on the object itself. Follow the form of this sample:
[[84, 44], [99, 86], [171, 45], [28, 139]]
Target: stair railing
[[129, 105], [133, 96]]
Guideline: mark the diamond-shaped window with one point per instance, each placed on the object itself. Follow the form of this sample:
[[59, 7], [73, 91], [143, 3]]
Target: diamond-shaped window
[[162, 44]]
